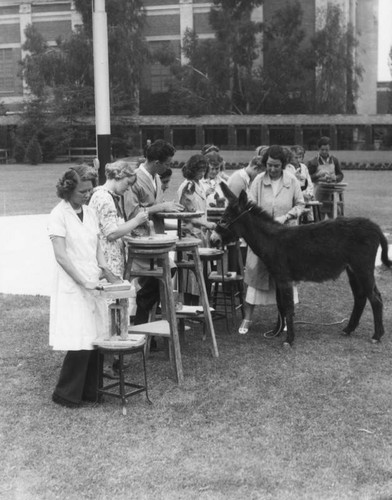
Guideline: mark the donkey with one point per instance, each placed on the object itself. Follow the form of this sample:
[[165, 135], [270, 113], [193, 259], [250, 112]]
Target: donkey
[[312, 252]]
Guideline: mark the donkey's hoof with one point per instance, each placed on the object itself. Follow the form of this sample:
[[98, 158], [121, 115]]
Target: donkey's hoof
[[375, 341], [287, 345], [345, 333]]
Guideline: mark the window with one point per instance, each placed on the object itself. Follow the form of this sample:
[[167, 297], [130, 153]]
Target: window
[[160, 78], [7, 71]]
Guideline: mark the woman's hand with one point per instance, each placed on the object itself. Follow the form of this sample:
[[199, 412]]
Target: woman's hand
[[141, 217], [172, 206], [282, 219], [210, 225], [92, 285], [109, 276]]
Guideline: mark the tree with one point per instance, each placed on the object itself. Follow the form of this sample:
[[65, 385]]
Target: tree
[[332, 56], [127, 49], [43, 69], [200, 85], [286, 79], [236, 40], [219, 76]]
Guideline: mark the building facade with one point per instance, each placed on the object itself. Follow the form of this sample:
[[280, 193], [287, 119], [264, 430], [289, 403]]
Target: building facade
[[166, 23]]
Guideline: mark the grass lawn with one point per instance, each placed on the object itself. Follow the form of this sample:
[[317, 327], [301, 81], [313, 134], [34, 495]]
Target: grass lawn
[[259, 422]]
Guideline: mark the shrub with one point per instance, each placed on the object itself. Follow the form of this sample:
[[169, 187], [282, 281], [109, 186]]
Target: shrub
[[19, 151], [33, 152]]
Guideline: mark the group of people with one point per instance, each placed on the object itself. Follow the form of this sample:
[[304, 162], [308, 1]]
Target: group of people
[[87, 228]]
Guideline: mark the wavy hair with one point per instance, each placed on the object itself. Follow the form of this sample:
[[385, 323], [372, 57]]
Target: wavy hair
[[120, 169], [195, 164], [71, 177], [276, 153]]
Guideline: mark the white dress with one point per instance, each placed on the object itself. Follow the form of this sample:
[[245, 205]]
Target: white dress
[[78, 316]]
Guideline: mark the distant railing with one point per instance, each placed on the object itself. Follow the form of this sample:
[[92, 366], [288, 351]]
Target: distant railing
[[84, 153], [3, 155]]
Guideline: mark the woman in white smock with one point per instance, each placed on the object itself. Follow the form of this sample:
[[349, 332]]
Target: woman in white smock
[[78, 315], [279, 193]]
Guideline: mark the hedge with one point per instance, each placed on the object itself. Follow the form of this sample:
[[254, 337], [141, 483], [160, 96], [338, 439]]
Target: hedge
[[344, 165]]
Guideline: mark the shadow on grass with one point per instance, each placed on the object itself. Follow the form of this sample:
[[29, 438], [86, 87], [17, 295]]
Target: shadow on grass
[[258, 422]]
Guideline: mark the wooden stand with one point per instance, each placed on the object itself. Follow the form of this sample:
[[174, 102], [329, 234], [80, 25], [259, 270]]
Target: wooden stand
[[159, 255], [332, 197], [191, 245], [120, 344]]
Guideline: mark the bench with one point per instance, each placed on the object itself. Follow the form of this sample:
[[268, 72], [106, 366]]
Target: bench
[[3, 155], [85, 153]]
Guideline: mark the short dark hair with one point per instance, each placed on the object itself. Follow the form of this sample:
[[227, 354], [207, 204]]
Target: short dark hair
[[297, 149], [160, 150], [193, 166], [71, 177], [277, 153], [209, 148], [214, 158], [324, 141], [166, 174]]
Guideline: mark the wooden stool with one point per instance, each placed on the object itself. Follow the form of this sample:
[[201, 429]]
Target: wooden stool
[[332, 196], [121, 347], [191, 246], [315, 206], [229, 285], [155, 255]]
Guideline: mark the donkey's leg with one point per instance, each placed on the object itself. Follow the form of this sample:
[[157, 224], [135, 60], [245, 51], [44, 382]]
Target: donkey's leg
[[375, 300], [359, 301], [281, 321], [287, 298]]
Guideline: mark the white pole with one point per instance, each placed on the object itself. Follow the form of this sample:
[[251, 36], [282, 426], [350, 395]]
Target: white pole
[[101, 85]]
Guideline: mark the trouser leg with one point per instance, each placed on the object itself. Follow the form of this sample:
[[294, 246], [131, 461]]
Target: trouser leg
[[146, 297], [77, 369]]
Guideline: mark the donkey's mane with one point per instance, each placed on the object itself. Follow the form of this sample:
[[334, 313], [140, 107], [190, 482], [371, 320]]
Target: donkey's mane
[[259, 212]]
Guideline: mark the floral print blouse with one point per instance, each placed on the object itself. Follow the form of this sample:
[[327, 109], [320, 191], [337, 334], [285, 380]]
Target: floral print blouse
[[107, 207]]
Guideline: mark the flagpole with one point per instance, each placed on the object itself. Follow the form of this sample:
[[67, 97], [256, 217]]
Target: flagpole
[[101, 86]]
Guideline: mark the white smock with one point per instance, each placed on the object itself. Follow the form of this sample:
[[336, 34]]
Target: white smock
[[78, 317]]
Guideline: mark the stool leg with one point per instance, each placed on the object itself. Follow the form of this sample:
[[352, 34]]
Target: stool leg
[[334, 205], [241, 298], [171, 317], [100, 376], [145, 377], [204, 300], [121, 382], [224, 295]]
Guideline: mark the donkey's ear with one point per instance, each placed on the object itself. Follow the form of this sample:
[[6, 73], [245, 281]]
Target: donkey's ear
[[231, 197], [243, 199]]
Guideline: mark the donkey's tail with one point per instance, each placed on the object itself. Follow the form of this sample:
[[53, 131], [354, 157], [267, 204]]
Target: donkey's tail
[[384, 250]]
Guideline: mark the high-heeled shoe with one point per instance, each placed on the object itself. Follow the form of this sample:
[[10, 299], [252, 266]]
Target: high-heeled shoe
[[244, 326]]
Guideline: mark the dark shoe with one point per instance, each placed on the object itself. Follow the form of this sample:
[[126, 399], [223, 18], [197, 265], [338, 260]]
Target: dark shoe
[[153, 344], [91, 398], [64, 402]]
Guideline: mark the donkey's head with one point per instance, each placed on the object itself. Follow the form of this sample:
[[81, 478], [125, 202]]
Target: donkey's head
[[229, 228]]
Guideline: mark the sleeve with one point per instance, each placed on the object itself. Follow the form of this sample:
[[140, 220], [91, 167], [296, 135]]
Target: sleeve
[[254, 188], [56, 224], [132, 201], [298, 200], [312, 168], [310, 189], [186, 197], [236, 184], [338, 170], [105, 212]]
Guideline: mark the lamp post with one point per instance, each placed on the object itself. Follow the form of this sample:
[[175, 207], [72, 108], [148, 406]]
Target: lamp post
[[101, 86]]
